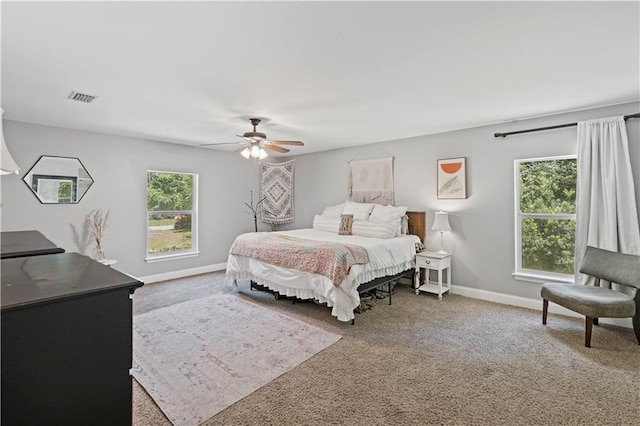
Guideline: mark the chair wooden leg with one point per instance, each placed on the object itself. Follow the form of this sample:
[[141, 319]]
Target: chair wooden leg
[[588, 321], [636, 326], [635, 320], [545, 307]]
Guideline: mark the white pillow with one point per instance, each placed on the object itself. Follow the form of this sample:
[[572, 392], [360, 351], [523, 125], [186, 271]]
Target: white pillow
[[328, 224], [398, 225], [405, 225], [389, 214], [365, 228], [385, 214], [333, 211], [360, 211]]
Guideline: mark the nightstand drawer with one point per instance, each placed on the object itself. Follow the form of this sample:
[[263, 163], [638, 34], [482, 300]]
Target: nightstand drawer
[[432, 262], [427, 262]]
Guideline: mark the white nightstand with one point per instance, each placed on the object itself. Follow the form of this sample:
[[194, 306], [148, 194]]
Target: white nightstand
[[437, 262]]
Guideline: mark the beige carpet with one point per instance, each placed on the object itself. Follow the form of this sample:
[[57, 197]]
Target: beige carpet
[[196, 358], [421, 361]]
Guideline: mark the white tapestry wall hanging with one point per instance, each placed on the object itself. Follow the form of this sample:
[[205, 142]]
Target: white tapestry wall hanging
[[371, 181], [276, 187]]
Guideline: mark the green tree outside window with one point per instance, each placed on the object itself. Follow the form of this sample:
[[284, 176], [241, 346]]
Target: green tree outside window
[[547, 207], [170, 213]]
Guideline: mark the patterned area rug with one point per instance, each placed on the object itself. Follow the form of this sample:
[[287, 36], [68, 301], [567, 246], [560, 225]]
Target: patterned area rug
[[198, 357]]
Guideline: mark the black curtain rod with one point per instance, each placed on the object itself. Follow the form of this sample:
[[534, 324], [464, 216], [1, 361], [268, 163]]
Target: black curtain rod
[[559, 126]]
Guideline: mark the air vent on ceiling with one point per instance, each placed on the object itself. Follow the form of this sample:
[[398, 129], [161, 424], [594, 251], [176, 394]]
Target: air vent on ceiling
[[81, 97]]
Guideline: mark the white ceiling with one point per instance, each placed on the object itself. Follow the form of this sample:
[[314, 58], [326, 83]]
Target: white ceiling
[[331, 74]]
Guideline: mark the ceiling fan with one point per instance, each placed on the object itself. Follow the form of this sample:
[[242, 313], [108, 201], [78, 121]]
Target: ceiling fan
[[256, 142]]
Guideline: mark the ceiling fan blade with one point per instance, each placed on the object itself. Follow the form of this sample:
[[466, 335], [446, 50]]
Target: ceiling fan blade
[[297, 143], [275, 148], [222, 143]]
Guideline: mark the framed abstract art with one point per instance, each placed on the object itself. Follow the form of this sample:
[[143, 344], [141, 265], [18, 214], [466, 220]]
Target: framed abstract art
[[452, 178]]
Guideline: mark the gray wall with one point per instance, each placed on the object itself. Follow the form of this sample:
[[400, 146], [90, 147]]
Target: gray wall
[[482, 241], [118, 166]]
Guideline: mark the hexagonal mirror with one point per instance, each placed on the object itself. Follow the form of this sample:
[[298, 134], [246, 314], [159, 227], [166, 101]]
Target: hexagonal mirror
[[58, 180]]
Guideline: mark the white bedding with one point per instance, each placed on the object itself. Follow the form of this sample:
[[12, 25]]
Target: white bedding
[[386, 257]]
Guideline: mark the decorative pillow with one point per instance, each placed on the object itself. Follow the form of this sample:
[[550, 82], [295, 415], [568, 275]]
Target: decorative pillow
[[389, 214], [404, 225], [365, 228], [346, 220], [360, 211], [327, 224], [333, 211], [385, 214]]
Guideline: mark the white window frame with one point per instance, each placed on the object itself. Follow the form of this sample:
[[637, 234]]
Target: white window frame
[[520, 272], [193, 252]]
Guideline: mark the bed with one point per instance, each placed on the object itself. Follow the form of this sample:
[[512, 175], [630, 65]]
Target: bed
[[387, 258]]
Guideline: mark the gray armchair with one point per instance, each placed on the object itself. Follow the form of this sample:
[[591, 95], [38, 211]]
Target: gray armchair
[[597, 302]]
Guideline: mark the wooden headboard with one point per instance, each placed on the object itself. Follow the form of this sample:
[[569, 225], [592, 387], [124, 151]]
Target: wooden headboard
[[417, 224]]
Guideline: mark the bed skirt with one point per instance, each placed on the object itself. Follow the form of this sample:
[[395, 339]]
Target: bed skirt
[[342, 300]]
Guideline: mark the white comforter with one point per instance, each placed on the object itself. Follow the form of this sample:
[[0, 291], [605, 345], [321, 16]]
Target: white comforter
[[386, 257]]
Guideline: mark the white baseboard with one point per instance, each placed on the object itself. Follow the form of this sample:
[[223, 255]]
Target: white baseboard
[[535, 304], [183, 273]]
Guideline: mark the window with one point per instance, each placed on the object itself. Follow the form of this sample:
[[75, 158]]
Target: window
[[171, 215], [545, 212]]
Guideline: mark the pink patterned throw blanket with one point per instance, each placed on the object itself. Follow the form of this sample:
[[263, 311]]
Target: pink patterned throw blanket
[[331, 260]]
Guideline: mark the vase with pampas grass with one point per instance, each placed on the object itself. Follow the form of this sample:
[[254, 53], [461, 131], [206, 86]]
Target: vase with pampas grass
[[97, 222]]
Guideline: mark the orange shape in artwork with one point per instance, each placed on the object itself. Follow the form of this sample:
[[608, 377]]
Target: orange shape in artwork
[[450, 168]]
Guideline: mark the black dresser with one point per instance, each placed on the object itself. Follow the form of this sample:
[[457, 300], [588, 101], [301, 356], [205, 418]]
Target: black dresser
[[26, 243], [66, 341]]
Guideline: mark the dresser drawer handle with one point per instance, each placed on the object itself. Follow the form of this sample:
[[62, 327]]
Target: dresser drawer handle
[[428, 262]]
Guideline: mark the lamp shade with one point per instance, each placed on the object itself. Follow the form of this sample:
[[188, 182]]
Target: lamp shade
[[254, 151], [8, 165], [441, 222]]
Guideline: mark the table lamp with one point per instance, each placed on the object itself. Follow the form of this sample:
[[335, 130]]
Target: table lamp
[[441, 224]]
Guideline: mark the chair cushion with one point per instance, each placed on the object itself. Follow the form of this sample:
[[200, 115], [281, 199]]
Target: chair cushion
[[591, 301]]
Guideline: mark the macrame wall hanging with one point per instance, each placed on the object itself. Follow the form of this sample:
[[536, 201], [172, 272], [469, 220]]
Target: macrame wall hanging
[[371, 181], [276, 187]]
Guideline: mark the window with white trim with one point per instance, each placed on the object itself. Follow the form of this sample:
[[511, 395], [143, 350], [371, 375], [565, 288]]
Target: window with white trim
[[545, 218], [172, 215]]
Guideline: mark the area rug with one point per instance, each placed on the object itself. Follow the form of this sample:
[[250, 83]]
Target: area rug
[[198, 357]]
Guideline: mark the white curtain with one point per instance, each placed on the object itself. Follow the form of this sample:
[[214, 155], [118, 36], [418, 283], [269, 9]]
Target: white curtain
[[607, 215]]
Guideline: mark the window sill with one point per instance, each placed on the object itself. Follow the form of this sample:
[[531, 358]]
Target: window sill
[[541, 278], [176, 256]]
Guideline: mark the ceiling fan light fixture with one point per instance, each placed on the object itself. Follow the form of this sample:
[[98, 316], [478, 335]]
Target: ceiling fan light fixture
[[257, 141], [254, 151]]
